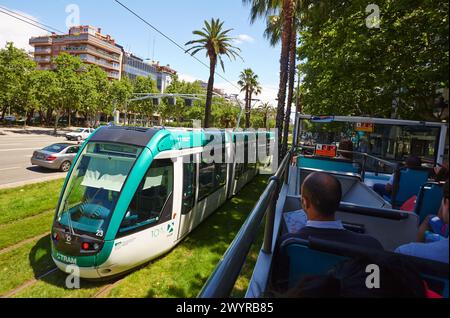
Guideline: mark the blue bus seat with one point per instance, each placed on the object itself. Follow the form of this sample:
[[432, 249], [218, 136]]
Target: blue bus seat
[[429, 200], [306, 262], [329, 164], [298, 258], [407, 183]]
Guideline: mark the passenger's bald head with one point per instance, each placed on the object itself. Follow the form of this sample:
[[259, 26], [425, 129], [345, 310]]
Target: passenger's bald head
[[323, 191]]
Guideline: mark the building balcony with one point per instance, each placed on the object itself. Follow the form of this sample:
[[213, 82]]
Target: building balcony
[[87, 39], [39, 59], [42, 40], [43, 51], [44, 68], [113, 75], [105, 64]]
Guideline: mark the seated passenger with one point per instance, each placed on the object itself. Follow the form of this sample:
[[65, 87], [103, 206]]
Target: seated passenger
[[439, 173], [386, 189], [438, 250], [321, 196], [348, 279], [346, 145]]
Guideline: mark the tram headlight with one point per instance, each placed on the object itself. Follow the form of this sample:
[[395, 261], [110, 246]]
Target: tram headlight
[[55, 236], [85, 246]]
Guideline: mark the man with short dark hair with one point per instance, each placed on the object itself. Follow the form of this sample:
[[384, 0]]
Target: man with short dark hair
[[321, 197]]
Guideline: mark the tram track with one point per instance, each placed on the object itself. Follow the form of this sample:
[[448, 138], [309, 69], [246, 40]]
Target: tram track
[[22, 243], [29, 283], [107, 288]]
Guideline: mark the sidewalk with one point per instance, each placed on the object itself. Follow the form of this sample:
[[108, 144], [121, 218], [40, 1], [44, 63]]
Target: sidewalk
[[30, 130]]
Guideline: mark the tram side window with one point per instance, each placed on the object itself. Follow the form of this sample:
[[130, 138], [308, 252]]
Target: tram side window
[[212, 176], [152, 202], [189, 185]]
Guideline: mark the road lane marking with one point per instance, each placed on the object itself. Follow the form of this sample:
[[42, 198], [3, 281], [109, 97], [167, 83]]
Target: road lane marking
[[12, 168], [16, 149]]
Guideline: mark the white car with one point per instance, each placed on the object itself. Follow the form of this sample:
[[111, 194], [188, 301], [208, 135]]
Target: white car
[[80, 134]]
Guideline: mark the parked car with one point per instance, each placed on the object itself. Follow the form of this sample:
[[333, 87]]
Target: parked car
[[80, 134], [56, 157], [10, 118]]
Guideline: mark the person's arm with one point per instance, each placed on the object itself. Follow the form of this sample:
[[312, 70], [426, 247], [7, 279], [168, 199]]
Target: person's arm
[[389, 184], [424, 227]]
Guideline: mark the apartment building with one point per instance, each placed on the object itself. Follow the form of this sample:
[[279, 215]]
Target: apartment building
[[86, 42]]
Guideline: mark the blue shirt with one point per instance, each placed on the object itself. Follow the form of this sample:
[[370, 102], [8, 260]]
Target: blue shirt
[[436, 251], [335, 225]]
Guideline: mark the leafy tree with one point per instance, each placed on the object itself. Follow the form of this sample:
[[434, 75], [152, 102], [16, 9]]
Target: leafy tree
[[68, 70], [95, 92], [45, 91], [121, 92], [15, 69], [350, 69], [216, 42], [144, 85]]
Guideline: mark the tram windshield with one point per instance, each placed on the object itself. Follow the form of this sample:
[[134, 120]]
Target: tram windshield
[[94, 187]]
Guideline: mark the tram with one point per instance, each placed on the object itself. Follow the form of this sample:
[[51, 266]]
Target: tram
[[284, 259], [132, 194]]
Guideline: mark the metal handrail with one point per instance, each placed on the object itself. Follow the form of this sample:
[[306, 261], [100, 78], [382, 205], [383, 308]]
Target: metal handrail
[[383, 161], [221, 282], [365, 156]]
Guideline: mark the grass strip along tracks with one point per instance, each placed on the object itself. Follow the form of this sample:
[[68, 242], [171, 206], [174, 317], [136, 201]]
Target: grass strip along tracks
[[180, 273]]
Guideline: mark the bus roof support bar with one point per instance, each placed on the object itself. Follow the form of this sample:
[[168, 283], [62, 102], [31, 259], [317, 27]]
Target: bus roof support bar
[[221, 282]]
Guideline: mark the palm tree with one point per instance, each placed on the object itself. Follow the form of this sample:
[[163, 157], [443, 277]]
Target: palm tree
[[216, 42], [266, 109], [286, 11], [249, 83]]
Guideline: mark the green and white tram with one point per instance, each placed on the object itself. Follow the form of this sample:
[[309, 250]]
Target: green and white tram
[[132, 194]]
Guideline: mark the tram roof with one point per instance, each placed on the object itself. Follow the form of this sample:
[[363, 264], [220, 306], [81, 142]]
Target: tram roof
[[125, 135], [181, 138]]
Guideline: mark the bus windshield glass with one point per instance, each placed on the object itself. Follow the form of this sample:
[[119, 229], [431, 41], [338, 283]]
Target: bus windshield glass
[[94, 187], [393, 143]]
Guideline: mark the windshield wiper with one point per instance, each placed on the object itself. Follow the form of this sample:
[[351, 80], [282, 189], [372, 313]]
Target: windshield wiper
[[95, 194], [69, 217]]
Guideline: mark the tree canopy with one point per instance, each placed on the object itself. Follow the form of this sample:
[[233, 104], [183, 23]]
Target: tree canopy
[[351, 69]]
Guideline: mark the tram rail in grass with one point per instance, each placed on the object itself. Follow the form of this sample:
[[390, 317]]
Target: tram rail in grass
[[22, 263]]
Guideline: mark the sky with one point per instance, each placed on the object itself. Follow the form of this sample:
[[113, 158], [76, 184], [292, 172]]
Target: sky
[[176, 18]]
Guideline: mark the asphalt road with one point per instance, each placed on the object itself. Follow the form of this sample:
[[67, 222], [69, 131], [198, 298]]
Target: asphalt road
[[16, 149]]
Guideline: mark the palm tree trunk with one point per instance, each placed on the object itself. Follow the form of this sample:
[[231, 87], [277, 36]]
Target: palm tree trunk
[[288, 8], [209, 92], [292, 65], [246, 106], [249, 109]]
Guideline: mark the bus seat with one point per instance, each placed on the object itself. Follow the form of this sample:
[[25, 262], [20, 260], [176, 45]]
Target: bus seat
[[299, 258], [304, 262], [329, 164], [392, 228], [429, 200], [407, 183]]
